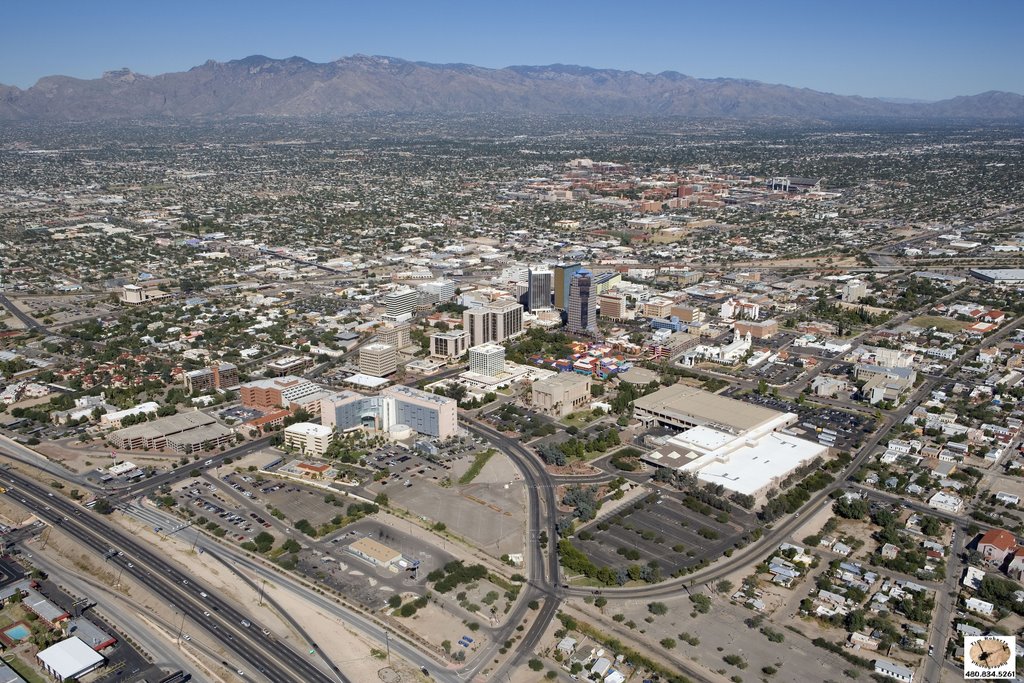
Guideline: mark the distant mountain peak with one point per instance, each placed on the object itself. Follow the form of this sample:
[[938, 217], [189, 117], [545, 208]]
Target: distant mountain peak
[[295, 86]]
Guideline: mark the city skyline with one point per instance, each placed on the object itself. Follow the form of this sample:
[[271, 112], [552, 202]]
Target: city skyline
[[881, 51]]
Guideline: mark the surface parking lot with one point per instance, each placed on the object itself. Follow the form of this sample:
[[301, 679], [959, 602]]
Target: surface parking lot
[[667, 524], [329, 561]]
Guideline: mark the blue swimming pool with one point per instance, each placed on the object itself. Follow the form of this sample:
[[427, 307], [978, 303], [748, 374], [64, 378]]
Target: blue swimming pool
[[18, 632]]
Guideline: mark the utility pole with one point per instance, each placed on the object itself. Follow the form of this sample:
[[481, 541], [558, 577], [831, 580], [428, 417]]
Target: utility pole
[[387, 643], [262, 586], [181, 627]]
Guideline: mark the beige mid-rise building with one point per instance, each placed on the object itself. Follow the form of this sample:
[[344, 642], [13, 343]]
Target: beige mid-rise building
[[561, 394], [612, 305], [378, 360], [493, 322]]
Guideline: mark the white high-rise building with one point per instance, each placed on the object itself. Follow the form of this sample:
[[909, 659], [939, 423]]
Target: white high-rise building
[[400, 305], [438, 291], [487, 359]]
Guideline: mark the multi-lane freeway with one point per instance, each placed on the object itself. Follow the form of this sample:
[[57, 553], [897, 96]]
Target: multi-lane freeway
[[255, 653]]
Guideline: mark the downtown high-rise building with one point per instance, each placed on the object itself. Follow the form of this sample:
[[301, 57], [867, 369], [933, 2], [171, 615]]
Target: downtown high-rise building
[[582, 318], [400, 305], [493, 322], [563, 278], [539, 286]]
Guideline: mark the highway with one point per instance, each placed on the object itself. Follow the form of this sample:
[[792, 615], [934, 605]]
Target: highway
[[236, 561], [254, 651]]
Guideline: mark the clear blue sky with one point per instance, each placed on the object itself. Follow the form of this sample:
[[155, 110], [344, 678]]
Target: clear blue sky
[[926, 49]]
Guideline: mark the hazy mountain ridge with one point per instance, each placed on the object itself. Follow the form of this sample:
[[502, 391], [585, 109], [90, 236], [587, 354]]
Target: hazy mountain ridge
[[258, 85]]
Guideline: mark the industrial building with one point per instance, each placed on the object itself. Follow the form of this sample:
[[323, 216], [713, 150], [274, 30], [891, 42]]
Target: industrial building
[[999, 276], [70, 658], [377, 554], [736, 444], [397, 405], [308, 438], [378, 359], [561, 394]]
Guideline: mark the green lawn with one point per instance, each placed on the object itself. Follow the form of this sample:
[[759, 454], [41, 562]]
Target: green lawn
[[937, 321], [24, 670]]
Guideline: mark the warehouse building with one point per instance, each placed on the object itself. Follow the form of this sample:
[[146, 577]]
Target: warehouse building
[[71, 658], [724, 441]]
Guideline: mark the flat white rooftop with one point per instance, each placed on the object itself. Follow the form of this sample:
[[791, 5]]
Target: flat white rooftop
[[369, 381], [70, 658], [756, 462]]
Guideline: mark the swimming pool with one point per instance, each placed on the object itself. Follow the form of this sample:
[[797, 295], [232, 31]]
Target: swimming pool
[[18, 632]]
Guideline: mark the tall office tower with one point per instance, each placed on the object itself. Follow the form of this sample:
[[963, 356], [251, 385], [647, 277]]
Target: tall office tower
[[493, 322], [400, 305], [563, 278], [378, 360], [582, 319], [538, 296]]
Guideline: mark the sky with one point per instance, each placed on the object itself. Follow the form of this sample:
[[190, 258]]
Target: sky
[[915, 49]]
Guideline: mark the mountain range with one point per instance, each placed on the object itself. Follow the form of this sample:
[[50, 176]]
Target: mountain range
[[261, 86]]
